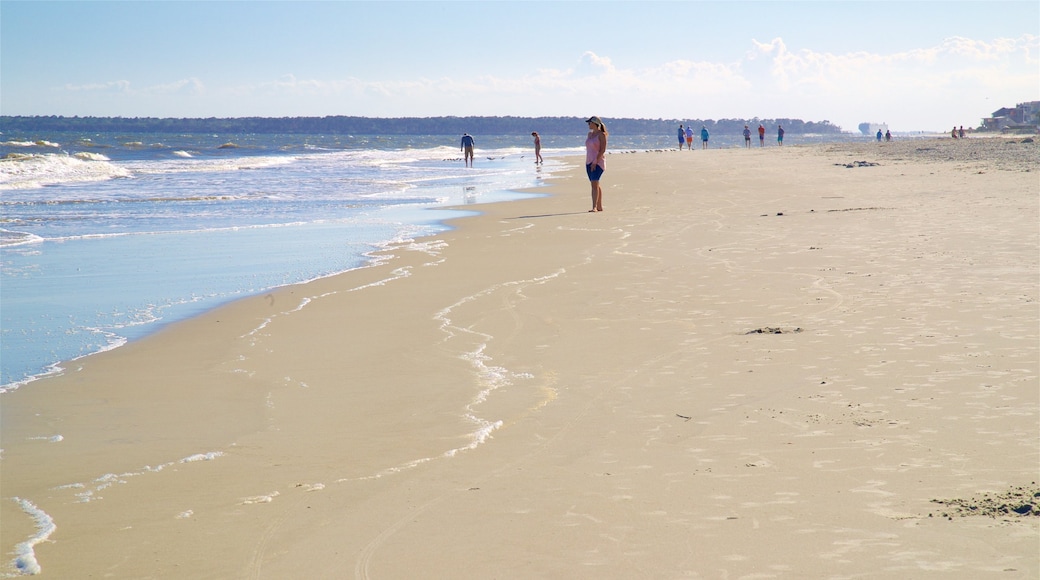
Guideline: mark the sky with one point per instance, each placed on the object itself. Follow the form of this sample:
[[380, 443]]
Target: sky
[[914, 65]]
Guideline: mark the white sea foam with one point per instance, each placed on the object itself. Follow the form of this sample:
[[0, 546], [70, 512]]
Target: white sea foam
[[187, 163], [113, 341], [489, 377], [25, 556], [260, 498], [37, 143], [91, 492], [51, 438], [51, 370], [431, 247], [88, 156], [109, 479], [389, 470], [33, 171], [203, 457], [13, 238]]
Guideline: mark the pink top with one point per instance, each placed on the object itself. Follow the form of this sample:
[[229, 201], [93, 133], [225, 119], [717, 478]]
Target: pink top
[[592, 150]]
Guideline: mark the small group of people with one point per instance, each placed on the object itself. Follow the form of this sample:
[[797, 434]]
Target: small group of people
[[686, 136], [887, 136], [467, 148], [595, 150], [957, 133]]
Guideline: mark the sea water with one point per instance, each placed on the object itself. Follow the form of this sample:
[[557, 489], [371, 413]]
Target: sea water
[[106, 237]]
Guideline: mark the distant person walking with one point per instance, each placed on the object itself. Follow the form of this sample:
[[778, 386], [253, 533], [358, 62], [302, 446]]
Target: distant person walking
[[467, 148], [888, 135], [682, 137], [595, 149], [961, 131], [704, 137], [689, 137], [780, 135], [878, 135], [761, 135], [537, 147], [954, 132], [747, 137]]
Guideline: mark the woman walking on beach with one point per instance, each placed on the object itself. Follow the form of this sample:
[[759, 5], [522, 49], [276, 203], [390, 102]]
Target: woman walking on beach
[[595, 149], [537, 147]]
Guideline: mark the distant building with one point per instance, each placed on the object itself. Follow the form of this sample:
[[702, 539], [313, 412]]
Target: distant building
[[871, 129], [1022, 116]]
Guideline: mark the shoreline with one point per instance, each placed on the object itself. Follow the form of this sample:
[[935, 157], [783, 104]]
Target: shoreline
[[150, 295], [118, 337], [745, 349]]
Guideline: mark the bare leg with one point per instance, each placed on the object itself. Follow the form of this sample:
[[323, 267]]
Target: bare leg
[[597, 197]]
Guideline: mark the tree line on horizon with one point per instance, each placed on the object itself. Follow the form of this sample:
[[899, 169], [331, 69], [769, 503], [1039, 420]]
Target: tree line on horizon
[[346, 125]]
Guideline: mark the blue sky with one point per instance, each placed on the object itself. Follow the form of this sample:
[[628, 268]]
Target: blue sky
[[915, 65]]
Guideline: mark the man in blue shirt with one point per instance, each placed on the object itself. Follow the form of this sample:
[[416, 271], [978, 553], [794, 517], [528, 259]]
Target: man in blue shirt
[[467, 147]]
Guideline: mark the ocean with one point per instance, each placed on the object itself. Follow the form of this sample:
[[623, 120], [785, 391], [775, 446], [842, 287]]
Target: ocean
[[105, 238]]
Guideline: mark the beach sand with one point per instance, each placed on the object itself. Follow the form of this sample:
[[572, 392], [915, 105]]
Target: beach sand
[[796, 362]]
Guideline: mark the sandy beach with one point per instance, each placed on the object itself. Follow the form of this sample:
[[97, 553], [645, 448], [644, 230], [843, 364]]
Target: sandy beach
[[786, 362]]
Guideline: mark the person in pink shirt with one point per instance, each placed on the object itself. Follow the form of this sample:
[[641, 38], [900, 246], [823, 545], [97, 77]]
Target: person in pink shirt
[[595, 149]]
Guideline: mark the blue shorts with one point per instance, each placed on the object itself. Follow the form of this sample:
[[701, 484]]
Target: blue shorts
[[594, 174]]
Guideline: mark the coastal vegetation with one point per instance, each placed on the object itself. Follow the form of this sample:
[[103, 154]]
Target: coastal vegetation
[[344, 125]]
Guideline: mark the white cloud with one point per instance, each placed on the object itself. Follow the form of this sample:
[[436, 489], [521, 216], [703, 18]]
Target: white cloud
[[190, 86], [110, 86], [593, 65], [958, 80], [124, 87]]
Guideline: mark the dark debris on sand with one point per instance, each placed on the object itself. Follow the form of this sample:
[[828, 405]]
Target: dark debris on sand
[[773, 330], [1020, 501], [999, 153], [858, 164]]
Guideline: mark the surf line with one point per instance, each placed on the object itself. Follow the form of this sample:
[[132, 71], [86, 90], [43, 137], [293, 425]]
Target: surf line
[[493, 377], [25, 556]]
